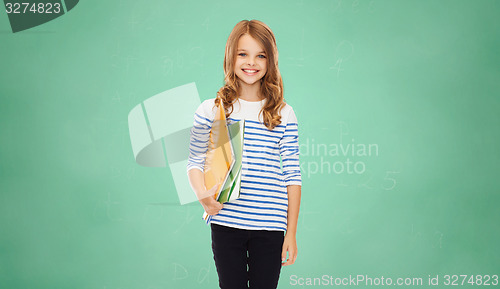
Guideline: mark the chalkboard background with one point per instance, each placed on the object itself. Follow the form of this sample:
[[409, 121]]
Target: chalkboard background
[[399, 113]]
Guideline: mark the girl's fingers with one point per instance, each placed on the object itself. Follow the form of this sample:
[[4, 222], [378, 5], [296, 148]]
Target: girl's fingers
[[283, 254], [292, 256]]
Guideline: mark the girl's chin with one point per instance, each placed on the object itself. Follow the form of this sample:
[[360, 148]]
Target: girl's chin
[[243, 82]]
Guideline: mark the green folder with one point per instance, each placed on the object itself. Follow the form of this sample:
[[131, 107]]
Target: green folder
[[231, 188]]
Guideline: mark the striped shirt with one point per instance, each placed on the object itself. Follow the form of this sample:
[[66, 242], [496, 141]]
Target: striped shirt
[[270, 163]]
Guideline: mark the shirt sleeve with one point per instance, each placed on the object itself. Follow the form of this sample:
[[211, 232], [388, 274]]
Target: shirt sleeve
[[289, 150], [198, 143]]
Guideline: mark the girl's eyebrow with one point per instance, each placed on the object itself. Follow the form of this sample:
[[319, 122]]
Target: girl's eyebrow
[[245, 50]]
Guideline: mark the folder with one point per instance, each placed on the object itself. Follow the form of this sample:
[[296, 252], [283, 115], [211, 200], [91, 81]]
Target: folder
[[231, 189], [220, 156], [224, 156]]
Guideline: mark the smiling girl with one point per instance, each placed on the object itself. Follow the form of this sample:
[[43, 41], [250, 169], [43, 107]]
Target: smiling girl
[[252, 235]]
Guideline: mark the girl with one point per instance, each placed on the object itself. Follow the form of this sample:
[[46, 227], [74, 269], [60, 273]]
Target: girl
[[248, 234]]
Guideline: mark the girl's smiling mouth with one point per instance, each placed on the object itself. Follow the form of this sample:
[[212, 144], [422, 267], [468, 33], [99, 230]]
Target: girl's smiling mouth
[[250, 71]]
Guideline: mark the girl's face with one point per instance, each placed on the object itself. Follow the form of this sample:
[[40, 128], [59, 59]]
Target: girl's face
[[251, 61]]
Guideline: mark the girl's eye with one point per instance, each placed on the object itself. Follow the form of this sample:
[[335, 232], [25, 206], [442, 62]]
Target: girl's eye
[[244, 54]]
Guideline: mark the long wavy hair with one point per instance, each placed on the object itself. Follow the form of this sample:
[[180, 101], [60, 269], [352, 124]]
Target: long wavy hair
[[271, 84]]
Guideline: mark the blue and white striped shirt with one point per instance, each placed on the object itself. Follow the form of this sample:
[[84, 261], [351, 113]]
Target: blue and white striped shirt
[[263, 201]]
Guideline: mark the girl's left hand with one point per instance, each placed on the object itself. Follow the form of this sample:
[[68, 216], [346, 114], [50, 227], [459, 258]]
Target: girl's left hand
[[290, 246]]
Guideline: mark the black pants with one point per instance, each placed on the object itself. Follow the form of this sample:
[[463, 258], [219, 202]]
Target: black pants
[[235, 249]]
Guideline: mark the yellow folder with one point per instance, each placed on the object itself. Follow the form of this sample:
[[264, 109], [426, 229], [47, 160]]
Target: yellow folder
[[220, 155]]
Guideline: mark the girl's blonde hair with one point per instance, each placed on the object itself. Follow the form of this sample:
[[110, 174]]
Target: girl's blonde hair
[[271, 84]]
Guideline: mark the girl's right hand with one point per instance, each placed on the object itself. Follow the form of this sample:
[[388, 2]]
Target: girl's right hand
[[211, 206]]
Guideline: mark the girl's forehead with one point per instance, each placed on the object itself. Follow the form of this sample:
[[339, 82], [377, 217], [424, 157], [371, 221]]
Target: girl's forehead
[[247, 42]]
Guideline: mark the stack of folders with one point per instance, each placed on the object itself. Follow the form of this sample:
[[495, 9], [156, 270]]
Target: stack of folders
[[223, 160]]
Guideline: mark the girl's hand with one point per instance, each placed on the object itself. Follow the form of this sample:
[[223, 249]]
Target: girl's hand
[[211, 206], [290, 246]]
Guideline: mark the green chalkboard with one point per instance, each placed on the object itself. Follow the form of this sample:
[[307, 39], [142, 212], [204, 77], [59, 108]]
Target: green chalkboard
[[398, 104]]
